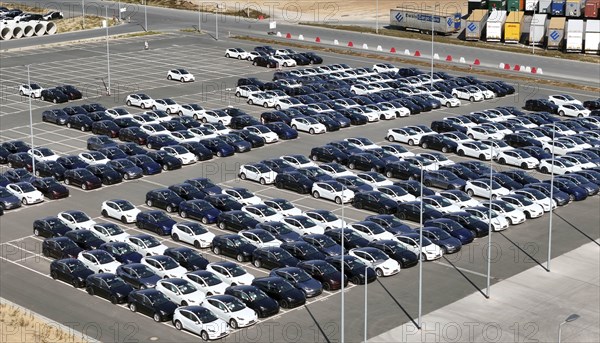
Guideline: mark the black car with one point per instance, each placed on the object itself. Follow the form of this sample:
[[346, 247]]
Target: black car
[[71, 92], [49, 227], [314, 58], [517, 140], [158, 141], [469, 222], [106, 127], [3, 155], [147, 164], [234, 246], [325, 273], [294, 181], [71, 162], [122, 252], [93, 107], [20, 160], [54, 95], [188, 258], [351, 238], [163, 198], [396, 251], [50, 169], [411, 210], [237, 142], [202, 153], [166, 161], [205, 185], [375, 201], [152, 303], [106, 173], [540, 105], [224, 202], [108, 286], [280, 290], [402, 170], [83, 178], [100, 142], [133, 134], [60, 247], [254, 298], [50, 187], [138, 275], [70, 270], [366, 161], [280, 231], [126, 168], [264, 62], [453, 228], [85, 239], [353, 268], [255, 140], [235, 220], [521, 176], [18, 175], [390, 223], [187, 191], [302, 250], [278, 165], [438, 142], [16, 146], [329, 153], [273, 257], [156, 221], [56, 116], [80, 121], [274, 116]]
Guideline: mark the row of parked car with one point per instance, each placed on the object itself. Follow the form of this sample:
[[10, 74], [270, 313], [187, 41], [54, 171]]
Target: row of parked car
[[267, 56], [57, 94]]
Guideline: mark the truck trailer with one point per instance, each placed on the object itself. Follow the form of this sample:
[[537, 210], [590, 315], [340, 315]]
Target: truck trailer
[[537, 29], [515, 5], [574, 8], [531, 5], [556, 33], [545, 6], [418, 20], [474, 24], [592, 36], [495, 26], [513, 27], [574, 35], [592, 9], [558, 7]]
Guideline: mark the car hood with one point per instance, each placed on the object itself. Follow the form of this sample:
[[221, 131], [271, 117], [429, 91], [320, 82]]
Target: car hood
[[72, 252], [132, 257], [309, 284], [82, 273], [264, 303]]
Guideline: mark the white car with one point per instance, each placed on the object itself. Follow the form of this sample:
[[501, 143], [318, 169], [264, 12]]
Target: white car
[[155, 129], [579, 161], [427, 250], [159, 115], [514, 215], [243, 196], [362, 143], [460, 120], [94, 157], [207, 282], [332, 190], [260, 238], [200, 321], [441, 204], [371, 231], [180, 75], [397, 150], [498, 127], [561, 166], [181, 153], [167, 105], [257, 172], [374, 179], [231, 310], [285, 61], [308, 124], [559, 147], [577, 142], [262, 213], [76, 220], [474, 149], [43, 154], [498, 221], [460, 198], [517, 157], [164, 266], [139, 100], [261, 99], [371, 115], [446, 99], [437, 158], [404, 135], [335, 169], [573, 110], [246, 90], [480, 133], [467, 94], [238, 53], [530, 208], [563, 99], [254, 54], [202, 132], [363, 89], [118, 112], [487, 94], [144, 119], [184, 136], [299, 161], [99, 261], [192, 233], [384, 113], [537, 197], [283, 52], [396, 108], [263, 132], [180, 291], [346, 103], [32, 90], [109, 232], [146, 245], [378, 260], [303, 225], [481, 188], [230, 273], [397, 193], [191, 110], [26, 192], [119, 209], [218, 117], [385, 67], [285, 103], [325, 219], [283, 206]]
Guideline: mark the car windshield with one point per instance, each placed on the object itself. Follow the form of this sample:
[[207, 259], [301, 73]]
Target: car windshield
[[378, 255], [168, 263], [444, 202], [123, 249], [113, 229], [114, 282], [355, 264], [157, 298], [211, 279], [244, 193], [305, 222], [75, 266], [300, 275], [235, 270], [191, 254], [205, 315], [238, 241], [150, 241], [186, 288], [197, 229], [284, 287], [104, 258], [161, 216], [284, 204], [262, 168], [80, 217], [328, 216], [26, 187]]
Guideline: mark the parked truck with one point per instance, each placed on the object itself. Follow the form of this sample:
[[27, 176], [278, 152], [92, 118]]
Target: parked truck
[[592, 37], [513, 27], [544, 6], [558, 7], [474, 24], [556, 33], [574, 35], [418, 20], [531, 5], [537, 29], [574, 8], [592, 8], [495, 26]]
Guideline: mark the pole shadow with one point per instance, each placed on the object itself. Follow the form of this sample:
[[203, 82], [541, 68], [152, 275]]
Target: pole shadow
[[574, 227], [523, 251], [317, 324], [399, 305], [465, 276]]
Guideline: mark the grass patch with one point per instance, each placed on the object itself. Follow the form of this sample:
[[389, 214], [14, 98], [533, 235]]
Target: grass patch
[[456, 41], [76, 23], [25, 8], [426, 64], [140, 34], [208, 7]]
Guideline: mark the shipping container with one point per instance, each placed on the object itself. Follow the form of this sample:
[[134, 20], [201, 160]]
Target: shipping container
[[495, 26], [574, 35], [556, 33], [574, 8], [531, 5], [414, 20], [592, 36], [499, 5], [515, 5], [558, 7], [592, 7], [474, 5], [537, 29], [544, 6], [513, 27], [474, 24]]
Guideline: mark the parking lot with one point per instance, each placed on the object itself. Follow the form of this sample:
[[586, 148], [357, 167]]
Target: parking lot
[[392, 301]]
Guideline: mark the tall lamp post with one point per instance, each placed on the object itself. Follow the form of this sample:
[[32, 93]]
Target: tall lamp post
[[569, 319], [432, 33], [366, 269], [145, 15], [342, 281], [489, 252], [421, 253], [199, 17], [376, 19], [31, 123], [551, 195], [83, 14], [217, 22], [107, 52]]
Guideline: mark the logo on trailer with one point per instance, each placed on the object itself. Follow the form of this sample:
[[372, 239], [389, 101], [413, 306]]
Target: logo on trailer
[[554, 35], [472, 27], [450, 21], [399, 17]]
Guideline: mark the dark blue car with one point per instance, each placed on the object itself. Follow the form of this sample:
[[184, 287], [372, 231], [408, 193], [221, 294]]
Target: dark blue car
[[122, 252], [443, 239], [283, 130], [453, 228], [147, 164], [200, 210], [390, 223], [561, 198], [156, 221], [218, 147]]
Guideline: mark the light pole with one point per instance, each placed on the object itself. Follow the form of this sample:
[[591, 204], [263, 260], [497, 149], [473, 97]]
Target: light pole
[[432, 30], [376, 21], [342, 269], [119, 9], [421, 252], [569, 319], [107, 52], [366, 269], [551, 195], [489, 253], [199, 17], [83, 14], [31, 122], [145, 16], [217, 22]]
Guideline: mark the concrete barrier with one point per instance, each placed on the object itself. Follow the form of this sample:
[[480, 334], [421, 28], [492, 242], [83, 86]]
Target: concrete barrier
[[5, 32], [40, 28], [28, 29], [17, 32], [51, 28]]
